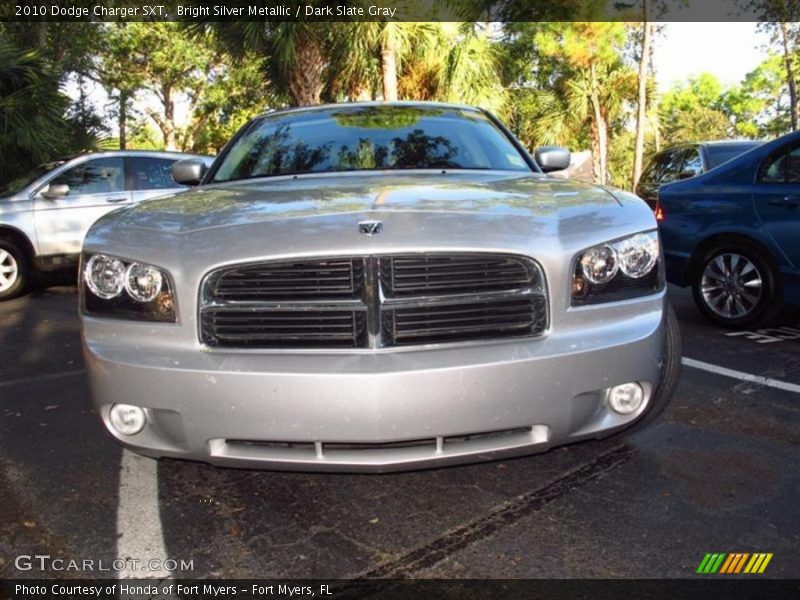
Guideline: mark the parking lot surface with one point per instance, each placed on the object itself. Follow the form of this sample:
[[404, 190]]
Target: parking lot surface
[[718, 472]]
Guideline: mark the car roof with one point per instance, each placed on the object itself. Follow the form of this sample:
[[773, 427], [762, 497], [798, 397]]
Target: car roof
[[731, 143], [399, 103], [714, 143], [161, 153]]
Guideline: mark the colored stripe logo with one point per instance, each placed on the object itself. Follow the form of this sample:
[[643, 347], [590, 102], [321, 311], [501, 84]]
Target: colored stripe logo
[[734, 562]]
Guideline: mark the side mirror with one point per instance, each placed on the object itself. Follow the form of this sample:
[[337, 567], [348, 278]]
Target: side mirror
[[55, 191], [552, 158], [685, 175], [189, 171]]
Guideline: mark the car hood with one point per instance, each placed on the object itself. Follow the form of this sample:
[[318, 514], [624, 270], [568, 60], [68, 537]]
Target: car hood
[[316, 196], [196, 231]]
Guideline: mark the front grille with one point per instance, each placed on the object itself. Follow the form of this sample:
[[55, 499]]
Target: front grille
[[498, 318], [421, 275], [373, 301], [255, 328], [310, 279]]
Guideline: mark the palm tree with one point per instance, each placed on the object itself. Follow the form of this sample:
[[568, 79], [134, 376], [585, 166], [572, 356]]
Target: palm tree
[[296, 52], [597, 94], [379, 49], [472, 73], [32, 124], [592, 80]]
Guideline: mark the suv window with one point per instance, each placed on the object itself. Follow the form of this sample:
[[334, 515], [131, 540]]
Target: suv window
[[656, 168], [99, 176], [149, 173], [782, 166], [672, 165], [692, 162]]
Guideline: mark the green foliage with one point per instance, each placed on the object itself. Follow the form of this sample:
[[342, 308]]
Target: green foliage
[[566, 83], [34, 123], [236, 93], [27, 85], [694, 111], [161, 60], [759, 106]]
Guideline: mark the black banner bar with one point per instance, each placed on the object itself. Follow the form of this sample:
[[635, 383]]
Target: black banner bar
[[397, 10], [730, 588]]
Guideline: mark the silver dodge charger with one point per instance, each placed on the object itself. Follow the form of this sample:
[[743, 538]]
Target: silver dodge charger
[[375, 287]]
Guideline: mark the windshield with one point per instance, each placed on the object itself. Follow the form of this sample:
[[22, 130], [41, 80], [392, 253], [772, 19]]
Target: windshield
[[361, 138], [20, 183], [721, 153]]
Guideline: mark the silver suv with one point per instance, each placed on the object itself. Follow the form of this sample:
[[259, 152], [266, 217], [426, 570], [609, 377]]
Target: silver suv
[[45, 214]]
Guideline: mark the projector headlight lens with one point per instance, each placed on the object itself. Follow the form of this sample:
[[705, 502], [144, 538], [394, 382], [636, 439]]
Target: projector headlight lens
[[600, 264], [143, 282], [105, 276], [638, 254]]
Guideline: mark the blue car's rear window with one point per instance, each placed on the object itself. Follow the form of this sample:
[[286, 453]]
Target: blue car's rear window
[[721, 153], [369, 138]]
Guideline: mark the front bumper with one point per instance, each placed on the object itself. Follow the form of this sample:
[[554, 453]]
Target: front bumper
[[375, 410]]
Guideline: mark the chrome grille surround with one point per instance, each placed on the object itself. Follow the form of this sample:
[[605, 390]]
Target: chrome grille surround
[[373, 301]]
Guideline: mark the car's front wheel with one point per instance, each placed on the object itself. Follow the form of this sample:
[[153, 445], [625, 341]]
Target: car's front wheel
[[13, 270], [670, 373], [735, 286]]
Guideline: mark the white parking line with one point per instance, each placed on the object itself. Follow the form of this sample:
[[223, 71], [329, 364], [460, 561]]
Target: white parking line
[[139, 534], [741, 375]]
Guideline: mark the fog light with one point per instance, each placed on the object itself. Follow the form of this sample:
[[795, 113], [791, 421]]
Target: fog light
[[127, 419], [626, 399]]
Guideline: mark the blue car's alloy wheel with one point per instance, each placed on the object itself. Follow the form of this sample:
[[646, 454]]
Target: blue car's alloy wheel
[[735, 286], [732, 285]]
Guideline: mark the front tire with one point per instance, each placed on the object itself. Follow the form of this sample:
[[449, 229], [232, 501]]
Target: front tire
[[735, 286], [14, 270], [670, 373]]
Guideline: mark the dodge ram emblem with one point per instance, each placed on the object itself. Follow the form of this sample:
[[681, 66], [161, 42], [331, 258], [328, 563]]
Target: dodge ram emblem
[[370, 227]]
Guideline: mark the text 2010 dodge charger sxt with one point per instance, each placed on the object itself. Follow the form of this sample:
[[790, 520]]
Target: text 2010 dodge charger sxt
[[375, 287]]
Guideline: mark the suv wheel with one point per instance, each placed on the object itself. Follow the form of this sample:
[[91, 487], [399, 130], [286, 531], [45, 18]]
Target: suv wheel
[[735, 286], [13, 270]]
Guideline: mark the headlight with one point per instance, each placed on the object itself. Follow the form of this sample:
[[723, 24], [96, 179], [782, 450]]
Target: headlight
[[143, 282], [600, 265], [619, 270], [105, 276], [114, 287], [638, 254]]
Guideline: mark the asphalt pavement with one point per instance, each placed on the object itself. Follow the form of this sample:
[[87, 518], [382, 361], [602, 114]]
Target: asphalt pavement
[[718, 472]]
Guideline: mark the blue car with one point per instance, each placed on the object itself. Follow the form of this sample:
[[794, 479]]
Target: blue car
[[733, 234]]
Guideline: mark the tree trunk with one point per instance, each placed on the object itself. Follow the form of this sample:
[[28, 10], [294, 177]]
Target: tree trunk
[[123, 120], [641, 113], [168, 125], [602, 144], [789, 60], [599, 133], [34, 35], [305, 76], [655, 118], [389, 66]]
